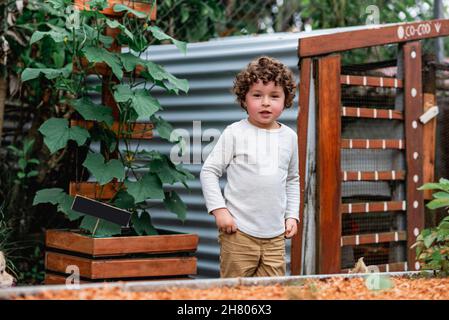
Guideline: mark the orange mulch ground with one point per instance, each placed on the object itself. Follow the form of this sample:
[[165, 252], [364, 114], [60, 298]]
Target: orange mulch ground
[[335, 288]]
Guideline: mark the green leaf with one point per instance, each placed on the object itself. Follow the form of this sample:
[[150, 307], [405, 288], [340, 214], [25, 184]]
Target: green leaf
[[56, 36], [430, 239], [123, 93], [160, 35], [92, 111], [33, 73], [115, 24], [95, 55], [167, 171], [158, 73], [32, 173], [438, 203], [441, 195], [130, 61], [174, 203], [57, 196], [149, 186], [122, 7], [104, 172], [166, 132], [57, 133], [102, 228], [124, 200], [142, 225], [144, 104]]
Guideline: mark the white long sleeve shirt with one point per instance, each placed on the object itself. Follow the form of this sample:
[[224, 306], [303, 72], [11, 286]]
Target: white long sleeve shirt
[[262, 187]]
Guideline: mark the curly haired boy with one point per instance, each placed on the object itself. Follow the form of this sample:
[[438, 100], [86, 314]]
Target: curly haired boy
[[260, 206]]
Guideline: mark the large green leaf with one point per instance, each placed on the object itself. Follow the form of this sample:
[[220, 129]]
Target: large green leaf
[[141, 101], [167, 171], [56, 36], [92, 111], [148, 187], [123, 93], [160, 35], [142, 225], [166, 132], [438, 203], [57, 196], [102, 228], [115, 24], [158, 73], [130, 61], [33, 73], [124, 200], [57, 133], [104, 172], [174, 203], [144, 104], [95, 55]]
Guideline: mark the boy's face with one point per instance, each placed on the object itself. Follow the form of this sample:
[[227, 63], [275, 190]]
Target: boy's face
[[264, 104]]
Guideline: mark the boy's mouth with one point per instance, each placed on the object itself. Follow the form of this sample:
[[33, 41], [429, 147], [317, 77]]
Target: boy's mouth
[[265, 112]]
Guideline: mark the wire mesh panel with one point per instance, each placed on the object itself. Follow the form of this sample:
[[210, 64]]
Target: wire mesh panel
[[373, 171]]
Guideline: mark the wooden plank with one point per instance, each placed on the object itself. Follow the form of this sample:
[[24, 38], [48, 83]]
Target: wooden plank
[[329, 163], [53, 278], [413, 104], [371, 36], [103, 69], [371, 113], [134, 130], [372, 176], [372, 238], [93, 190], [98, 247], [109, 11], [302, 129], [429, 138], [368, 81], [122, 268], [390, 267], [365, 207], [372, 144]]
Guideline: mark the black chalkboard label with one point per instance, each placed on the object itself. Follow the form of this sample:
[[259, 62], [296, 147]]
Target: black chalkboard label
[[101, 210]]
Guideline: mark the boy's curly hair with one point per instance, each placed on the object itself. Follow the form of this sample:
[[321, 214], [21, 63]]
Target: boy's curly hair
[[266, 69]]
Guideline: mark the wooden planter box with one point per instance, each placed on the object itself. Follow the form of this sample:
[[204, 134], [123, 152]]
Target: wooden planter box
[[165, 256], [136, 5]]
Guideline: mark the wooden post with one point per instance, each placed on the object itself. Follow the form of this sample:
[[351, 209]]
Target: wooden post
[[413, 103], [329, 164], [302, 121]]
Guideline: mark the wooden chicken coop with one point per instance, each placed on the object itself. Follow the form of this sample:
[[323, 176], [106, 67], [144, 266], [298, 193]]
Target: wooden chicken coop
[[363, 149]]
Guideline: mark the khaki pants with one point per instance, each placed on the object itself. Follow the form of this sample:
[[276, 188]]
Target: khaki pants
[[242, 255]]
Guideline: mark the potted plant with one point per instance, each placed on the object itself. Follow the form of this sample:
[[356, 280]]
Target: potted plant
[[125, 177]]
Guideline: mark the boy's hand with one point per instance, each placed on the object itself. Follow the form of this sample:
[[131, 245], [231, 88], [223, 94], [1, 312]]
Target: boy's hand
[[291, 227], [225, 222]]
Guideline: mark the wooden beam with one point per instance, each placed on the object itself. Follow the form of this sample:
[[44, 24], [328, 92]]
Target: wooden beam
[[367, 81], [372, 144], [93, 190], [372, 36], [371, 113], [115, 246], [373, 175], [302, 129], [329, 164], [413, 104], [365, 207], [371, 238], [121, 268], [135, 130]]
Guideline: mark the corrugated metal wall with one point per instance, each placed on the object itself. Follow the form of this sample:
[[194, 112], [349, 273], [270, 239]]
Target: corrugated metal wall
[[210, 68]]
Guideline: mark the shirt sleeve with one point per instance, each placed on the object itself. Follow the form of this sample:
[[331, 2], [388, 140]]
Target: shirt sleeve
[[214, 167], [292, 210]]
